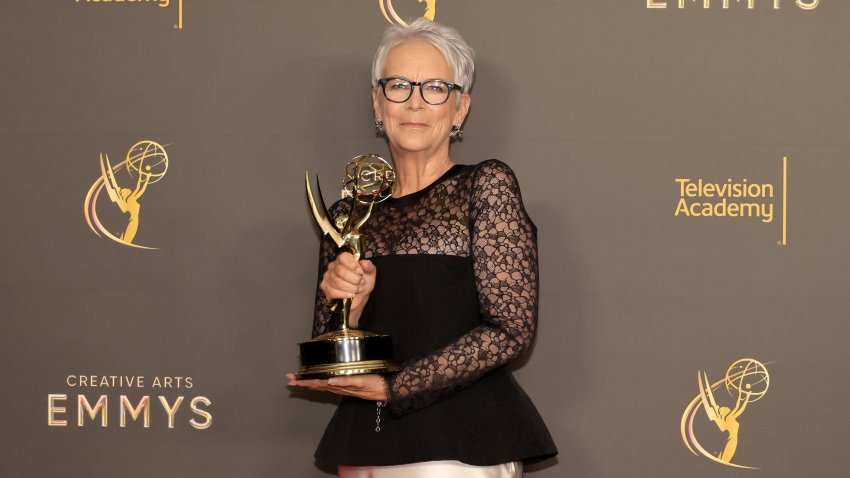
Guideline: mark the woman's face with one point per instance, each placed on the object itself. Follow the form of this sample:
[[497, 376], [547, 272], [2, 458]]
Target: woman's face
[[416, 126]]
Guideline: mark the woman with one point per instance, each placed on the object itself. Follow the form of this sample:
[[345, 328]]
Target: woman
[[450, 271]]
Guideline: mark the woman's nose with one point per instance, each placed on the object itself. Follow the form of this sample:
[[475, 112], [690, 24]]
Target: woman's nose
[[415, 101]]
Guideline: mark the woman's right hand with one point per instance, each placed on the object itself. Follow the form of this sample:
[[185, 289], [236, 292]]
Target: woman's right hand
[[347, 278]]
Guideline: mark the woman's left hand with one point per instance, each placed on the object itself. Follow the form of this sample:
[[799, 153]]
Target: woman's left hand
[[367, 387]]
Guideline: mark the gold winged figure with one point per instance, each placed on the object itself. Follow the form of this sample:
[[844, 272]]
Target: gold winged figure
[[725, 418], [126, 199]]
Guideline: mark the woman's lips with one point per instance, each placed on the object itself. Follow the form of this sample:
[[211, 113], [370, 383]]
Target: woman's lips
[[413, 124]]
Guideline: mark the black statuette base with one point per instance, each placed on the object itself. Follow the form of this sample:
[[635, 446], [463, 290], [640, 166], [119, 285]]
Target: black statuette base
[[346, 352]]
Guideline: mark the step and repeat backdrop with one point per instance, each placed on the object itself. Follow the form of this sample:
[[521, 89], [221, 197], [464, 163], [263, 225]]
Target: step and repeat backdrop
[[686, 163]]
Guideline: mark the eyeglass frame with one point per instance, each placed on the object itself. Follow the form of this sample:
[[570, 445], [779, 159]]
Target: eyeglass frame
[[452, 87]]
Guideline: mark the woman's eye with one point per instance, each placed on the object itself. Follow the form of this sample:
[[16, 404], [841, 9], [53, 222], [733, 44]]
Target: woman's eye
[[399, 86]]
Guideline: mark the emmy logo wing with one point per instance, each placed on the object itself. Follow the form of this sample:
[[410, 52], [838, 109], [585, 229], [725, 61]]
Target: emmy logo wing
[[322, 216], [708, 402], [111, 184]]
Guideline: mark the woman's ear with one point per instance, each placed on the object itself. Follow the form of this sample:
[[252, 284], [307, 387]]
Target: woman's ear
[[463, 108], [376, 102]]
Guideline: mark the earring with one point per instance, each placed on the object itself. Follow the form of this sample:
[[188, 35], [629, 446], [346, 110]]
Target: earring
[[379, 127], [456, 132]]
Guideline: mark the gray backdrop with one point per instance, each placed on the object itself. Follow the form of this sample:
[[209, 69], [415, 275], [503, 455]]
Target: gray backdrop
[[598, 106]]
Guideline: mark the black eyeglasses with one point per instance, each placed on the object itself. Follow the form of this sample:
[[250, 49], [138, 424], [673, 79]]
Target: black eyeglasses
[[434, 92]]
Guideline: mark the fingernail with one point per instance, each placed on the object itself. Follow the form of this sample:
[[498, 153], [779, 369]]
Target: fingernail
[[332, 381], [350, 295], [360, 271]]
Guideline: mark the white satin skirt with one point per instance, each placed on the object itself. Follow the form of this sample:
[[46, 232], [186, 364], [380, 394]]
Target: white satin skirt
[[434, 469]]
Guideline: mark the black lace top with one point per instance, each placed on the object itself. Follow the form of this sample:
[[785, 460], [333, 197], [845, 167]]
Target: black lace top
[[456, 287]]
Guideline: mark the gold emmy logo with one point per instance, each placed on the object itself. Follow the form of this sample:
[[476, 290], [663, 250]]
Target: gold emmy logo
[[746, 381], [159, 3], [146, 164], [751, 4], [392, 16]]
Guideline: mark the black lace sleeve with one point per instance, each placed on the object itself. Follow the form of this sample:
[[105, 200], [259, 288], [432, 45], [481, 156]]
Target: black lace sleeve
[[504, 250], [327, 253]]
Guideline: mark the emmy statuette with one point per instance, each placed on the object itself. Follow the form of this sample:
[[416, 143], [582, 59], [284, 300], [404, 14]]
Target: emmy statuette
[[346, 351]]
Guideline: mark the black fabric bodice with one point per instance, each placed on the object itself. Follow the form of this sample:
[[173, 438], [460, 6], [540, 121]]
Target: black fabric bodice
[[456, 288]]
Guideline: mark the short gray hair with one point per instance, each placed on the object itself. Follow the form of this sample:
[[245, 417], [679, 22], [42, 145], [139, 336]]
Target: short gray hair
[[458, 54]]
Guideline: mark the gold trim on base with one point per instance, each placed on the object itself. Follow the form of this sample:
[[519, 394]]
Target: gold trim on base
[[347, 368], [344, 334]]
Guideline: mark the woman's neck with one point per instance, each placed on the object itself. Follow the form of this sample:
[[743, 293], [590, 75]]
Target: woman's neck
[[416, 170], [415, 176]]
